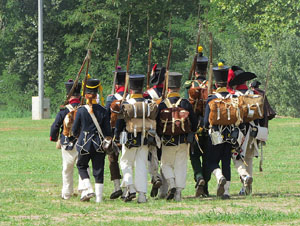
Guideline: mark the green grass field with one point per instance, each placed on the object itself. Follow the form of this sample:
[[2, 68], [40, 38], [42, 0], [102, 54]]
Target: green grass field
[[30, 186]]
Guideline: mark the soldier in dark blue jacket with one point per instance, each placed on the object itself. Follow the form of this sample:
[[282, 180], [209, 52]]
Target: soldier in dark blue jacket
[[69, 154], [113, 158], [222, 150], [175, 147], [198, 148], [89, 141]]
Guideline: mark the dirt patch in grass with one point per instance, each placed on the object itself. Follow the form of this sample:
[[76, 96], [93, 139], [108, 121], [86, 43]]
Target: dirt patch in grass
[[23, 128]]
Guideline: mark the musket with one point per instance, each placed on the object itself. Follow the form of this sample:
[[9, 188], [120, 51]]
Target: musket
[[264, 97], [165, 88], [116, 65], [128, 29], [81, 68], [149, 62], [192, 70], [86, 76], [209, 89], [127, 72]]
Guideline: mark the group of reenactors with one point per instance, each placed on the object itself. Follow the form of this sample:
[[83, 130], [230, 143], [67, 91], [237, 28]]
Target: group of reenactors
[[155, 131]]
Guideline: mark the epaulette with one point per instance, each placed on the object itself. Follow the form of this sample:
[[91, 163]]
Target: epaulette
[[188, 84]]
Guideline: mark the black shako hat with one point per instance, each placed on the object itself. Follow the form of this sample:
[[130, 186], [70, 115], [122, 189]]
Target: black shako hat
[[240, 76], [255, 84], [120, 78], [92, 86], [174, 80], [202, 61], [221, 73], [158, 75], [136, 81], [69, 85]]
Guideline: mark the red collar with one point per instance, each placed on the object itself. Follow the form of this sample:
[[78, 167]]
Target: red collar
[[158, 86], [240, 87], [74, 101], [120, 89]]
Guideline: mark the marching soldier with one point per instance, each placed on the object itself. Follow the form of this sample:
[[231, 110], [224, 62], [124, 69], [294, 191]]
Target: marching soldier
[[132, 134], [199, 146], [219, 144], [237, 79], [176, 123], [157, 80], [91, 125], [69, 154], [113, 158]]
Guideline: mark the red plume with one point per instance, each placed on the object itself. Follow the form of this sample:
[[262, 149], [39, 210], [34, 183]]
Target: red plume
[[230, 77]]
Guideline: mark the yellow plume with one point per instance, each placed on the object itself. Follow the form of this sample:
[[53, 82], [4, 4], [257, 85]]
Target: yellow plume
[[200, 49], [101, 94], [220, 65]]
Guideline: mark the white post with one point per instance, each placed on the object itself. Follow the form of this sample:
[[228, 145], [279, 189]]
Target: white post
[[40, 59]]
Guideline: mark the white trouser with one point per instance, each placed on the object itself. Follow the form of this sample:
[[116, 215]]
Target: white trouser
[[174, 163], [242, 168], [153, 164], [69, 160], [135, 157]]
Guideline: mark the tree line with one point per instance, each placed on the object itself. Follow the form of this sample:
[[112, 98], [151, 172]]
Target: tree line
[[245, 33]]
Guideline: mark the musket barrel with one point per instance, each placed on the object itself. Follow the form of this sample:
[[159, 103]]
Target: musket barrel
[[149, 62], [209, 89], [116, 65]]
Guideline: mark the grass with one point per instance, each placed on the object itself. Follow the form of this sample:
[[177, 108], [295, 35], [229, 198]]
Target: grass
[[30, 185]]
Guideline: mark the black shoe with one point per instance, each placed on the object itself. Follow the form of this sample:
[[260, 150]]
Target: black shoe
[[116, 194], [87, 197], [171, 194], [221, 190], [156, 185], [225, 197], [129, 196], [200, 187]]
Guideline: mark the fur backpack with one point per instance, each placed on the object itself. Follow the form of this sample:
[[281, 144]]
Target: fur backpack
[[69, 120], [225, 110], [252, 107], [198, 96]]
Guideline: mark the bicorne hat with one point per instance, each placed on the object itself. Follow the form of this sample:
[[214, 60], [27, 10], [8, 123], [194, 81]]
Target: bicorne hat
[[240, 76], [157, 75]]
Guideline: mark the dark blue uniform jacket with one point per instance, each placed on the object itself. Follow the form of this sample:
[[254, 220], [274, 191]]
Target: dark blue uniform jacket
[[86, 131], [57, 129]]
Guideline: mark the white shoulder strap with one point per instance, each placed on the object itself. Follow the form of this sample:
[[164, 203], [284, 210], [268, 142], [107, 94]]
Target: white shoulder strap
[[219, 95], [118, 96], [131, 101], [170, 105], [94, 120], [153, 94], [70, 107]]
